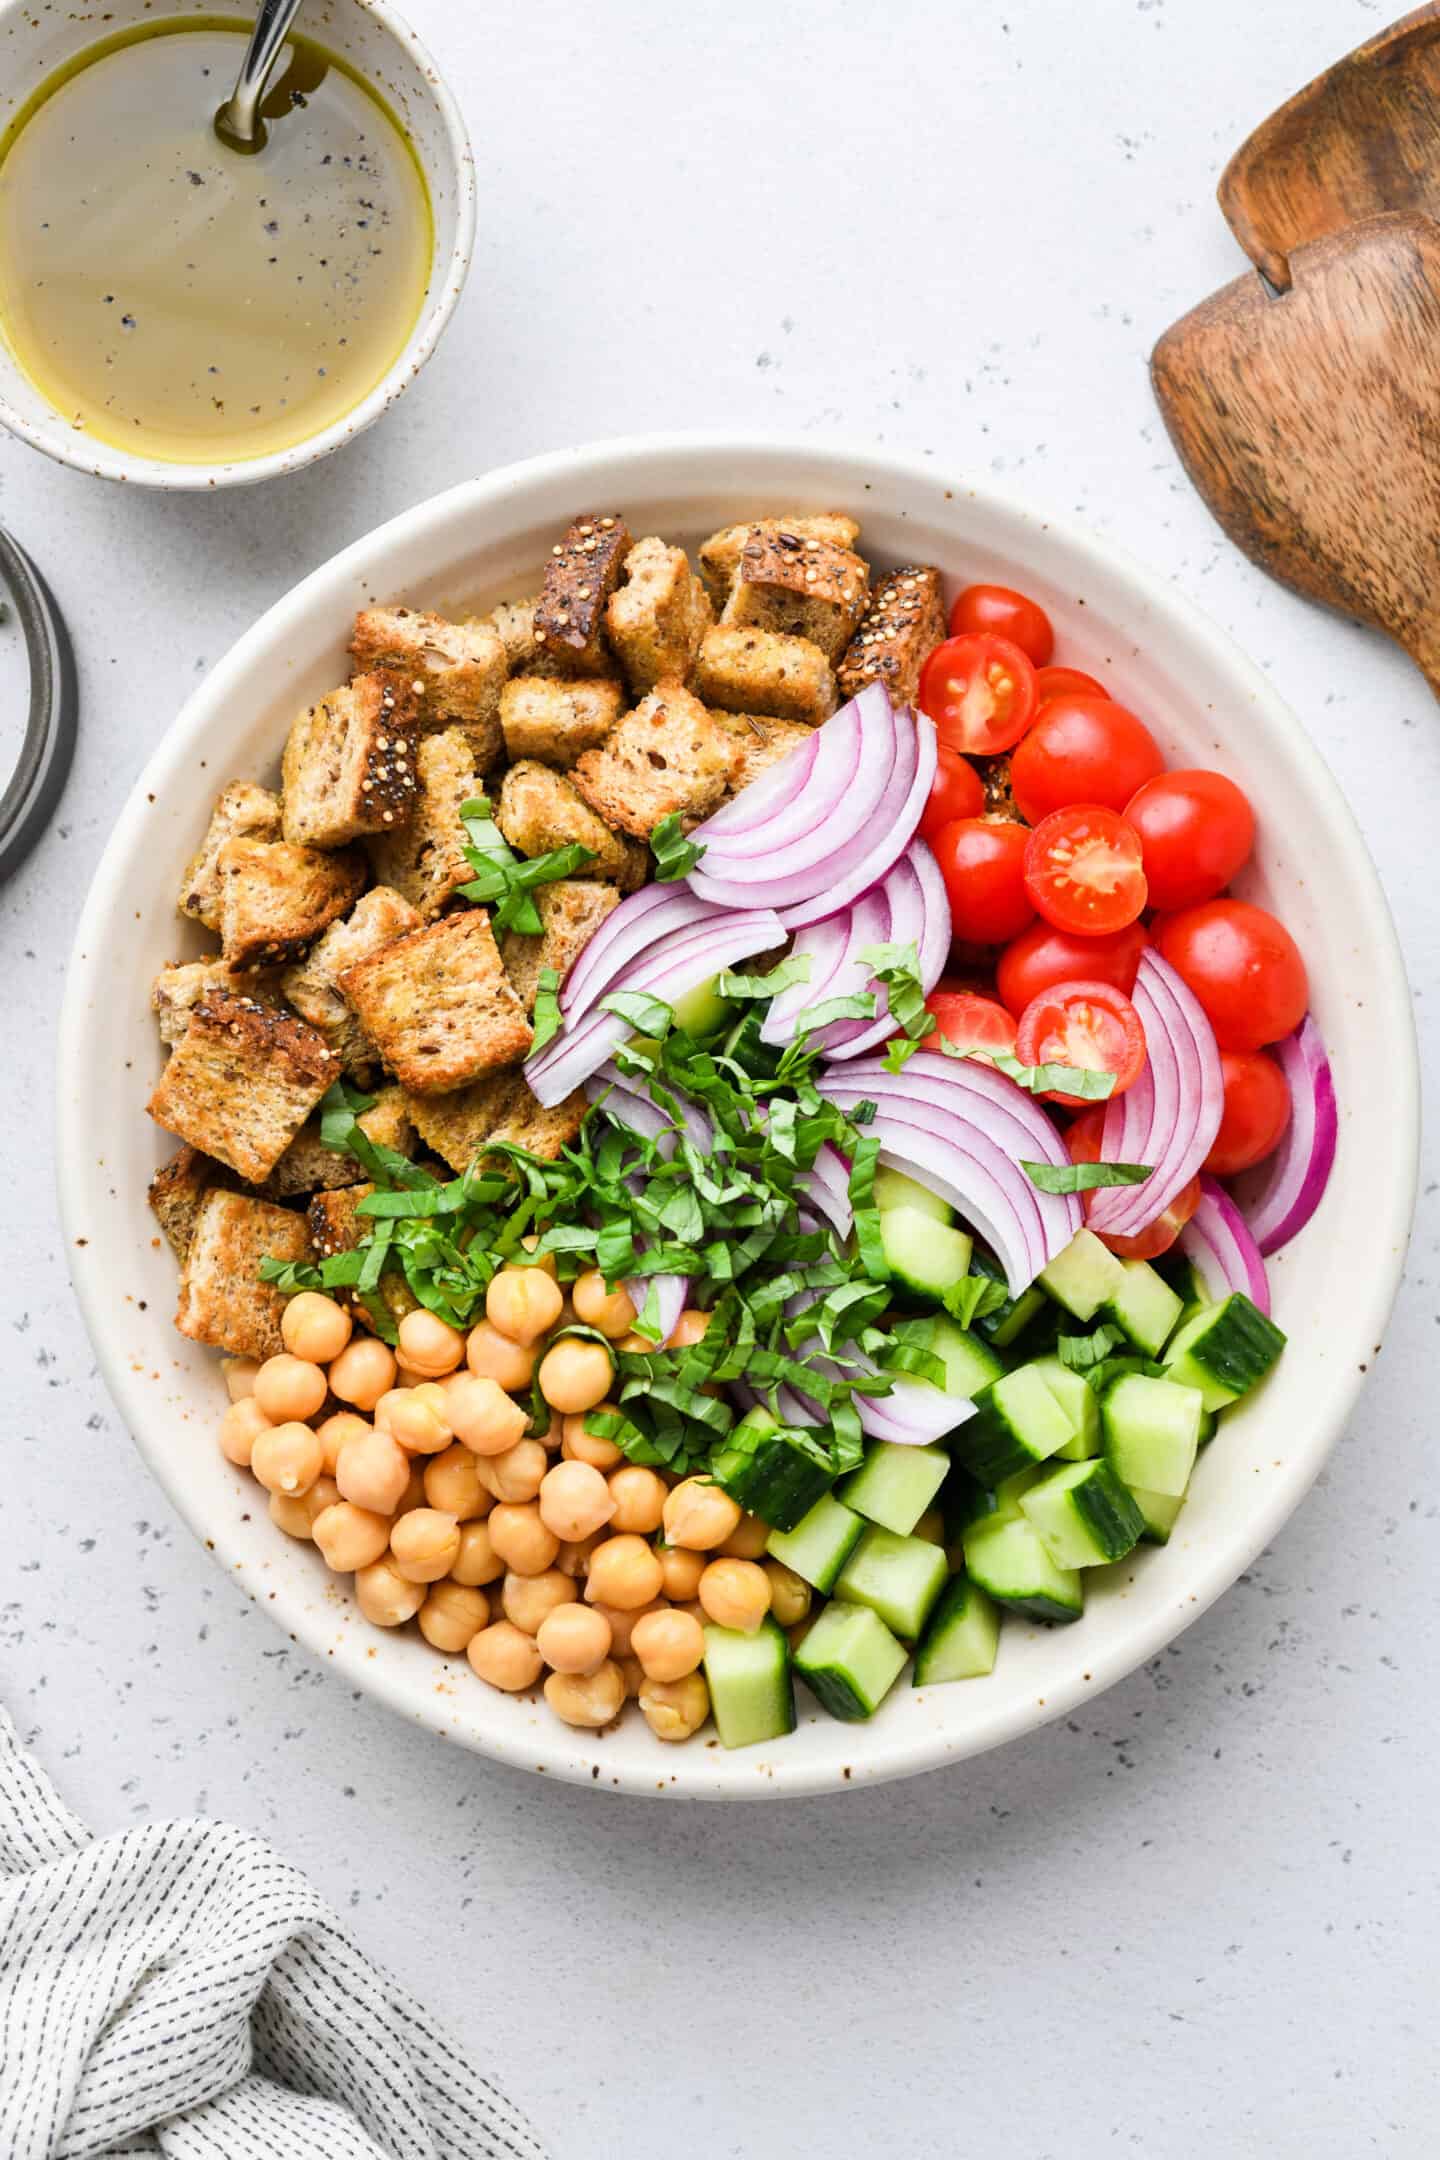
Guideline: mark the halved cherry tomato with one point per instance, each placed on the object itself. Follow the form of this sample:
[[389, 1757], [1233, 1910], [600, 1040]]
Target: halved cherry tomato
[[1257, 1110], [1082, 750], [1061, 681], [982, 861], [1009, 615], [969, 1021], [980, 692], [1090, 1024], [1041, 957], [956, 792], [1082, 870], [1244, 967], [1083, 1141], [1196, 830]]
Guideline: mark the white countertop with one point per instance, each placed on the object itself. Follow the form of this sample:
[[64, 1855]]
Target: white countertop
[[1197, 1918]]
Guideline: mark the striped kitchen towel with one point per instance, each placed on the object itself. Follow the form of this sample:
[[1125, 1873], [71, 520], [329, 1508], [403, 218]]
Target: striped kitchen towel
[[180, 1989]]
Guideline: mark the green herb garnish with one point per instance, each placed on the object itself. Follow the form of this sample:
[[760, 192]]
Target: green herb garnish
[[1084, 1176], [1081, 1352], [502, 881], [675, 856], [546, 1016]]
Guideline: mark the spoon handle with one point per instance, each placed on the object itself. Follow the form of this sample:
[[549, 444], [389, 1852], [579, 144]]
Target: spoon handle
[[272, 25]]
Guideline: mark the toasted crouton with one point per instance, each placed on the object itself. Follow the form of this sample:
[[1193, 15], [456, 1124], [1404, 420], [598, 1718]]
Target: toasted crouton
[[337, 1226], [454, 671], [178, 989], [438, 1005], [312, 986], [242, 809], [308, 1166], [176, 1191], [425, 861], [756, 742], [276, 899], [461, 1125], [241, 1082], [514, 624], [666, 758], [555, 719], [349, 765], [720, 555], [762, 671], [657, 618], [903, 624], [800, 587], [571, 909], [540, 810], [222, 1299], [582, 571]]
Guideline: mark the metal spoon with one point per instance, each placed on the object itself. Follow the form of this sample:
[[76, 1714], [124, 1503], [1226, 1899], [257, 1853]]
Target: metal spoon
[[238, 121]]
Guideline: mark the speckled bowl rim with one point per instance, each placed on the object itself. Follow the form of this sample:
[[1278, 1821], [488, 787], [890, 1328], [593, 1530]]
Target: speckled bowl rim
[[1279, 1440], [106, 461]]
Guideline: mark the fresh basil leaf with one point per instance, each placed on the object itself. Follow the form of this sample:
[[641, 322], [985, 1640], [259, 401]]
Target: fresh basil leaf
[[546, 1016], [675, 856], [650, 1015], [288, 1276], [1080, 1352], [1084, 1176], [793, 969], [973, 1297], [1077, 1080], [898, 968], [859, 1007]]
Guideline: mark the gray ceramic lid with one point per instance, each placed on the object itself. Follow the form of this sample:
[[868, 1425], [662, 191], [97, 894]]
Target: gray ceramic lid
[[35, 761]]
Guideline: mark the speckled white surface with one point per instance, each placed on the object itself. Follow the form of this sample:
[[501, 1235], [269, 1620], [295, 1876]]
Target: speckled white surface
[[1200, 1917]]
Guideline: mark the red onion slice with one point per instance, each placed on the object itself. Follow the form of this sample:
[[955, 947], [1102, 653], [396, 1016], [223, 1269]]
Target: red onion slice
[[671, 1292], [827, 1185], [1292, 1183], [919, 910], [621, 1099], [1217, 1239], [1171, 1114], [894, 823], [827, 946], [629, 930], [764, 799], [856, 752]]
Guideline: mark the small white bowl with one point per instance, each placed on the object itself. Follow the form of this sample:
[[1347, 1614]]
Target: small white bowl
[[488, 539], [381, 47]]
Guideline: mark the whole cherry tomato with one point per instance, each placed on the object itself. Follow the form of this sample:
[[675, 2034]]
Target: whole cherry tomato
[[956, 792], [1089, 1024], [1060, 681], [1243, 966], [1082, 750], [1256, 1113], [1196, 830], [1042, 956], [1009, 615], [1083, 1141], [980, 692], [970, 1021], [982, 861], [1082, 870]]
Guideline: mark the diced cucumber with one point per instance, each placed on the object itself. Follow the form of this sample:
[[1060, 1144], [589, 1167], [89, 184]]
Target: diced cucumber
[[1082, 1515], [894, 1190], [923, 1255], [898, 1577], [702, 1011], [1224, 1350], [1144, 1307], [1208, 1423], [1082, 1278], [1151, 1430], [849, 1660], [1077, 1399], [1005, 1557], [961, 1636], [820, 1544], [775, 1472], [1010, 1319], [749, 1681], [1159, 1511], [894, 1485], [969, 1363], [1017, 1423], [966, 1501]]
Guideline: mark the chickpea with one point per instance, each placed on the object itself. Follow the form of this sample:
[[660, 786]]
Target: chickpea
[[407, 1376], [612, 1311], [638, 1495], [520, 1538], [735, 1594], [591, 1699], [477, 1561], [315, 1327], [373, 1471], [579, 1444], [674, 1709], [335, 1430], [575, 1375], [546, 1261], [414, 1493], [622, 1624], [680, 1573], [699, 1515], [789, 1593], [425, 1544], [624, 1572], [931, 1527], [505, 1656], [289, 1389], [523, 1303], [349, 1537], [296, 1514], [553, 1436], [239, 1376], [416, 1417], [362, 1373], [518, 1474], [527, 1600], [240, 1428], [796, 1635], [482, 1415], [696, 1611], [747, 1541], [668, 1644], [573, 1638], [385, 1597], [451, 1614], [634, 1673], [573, 1557], [287, 1459], [637, 1345], [493, 1356], [452, 1483], [691, 1327], [428, 1346], [575, 1501]]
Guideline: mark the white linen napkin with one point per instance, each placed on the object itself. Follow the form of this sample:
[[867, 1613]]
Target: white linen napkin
[[180, 1989]]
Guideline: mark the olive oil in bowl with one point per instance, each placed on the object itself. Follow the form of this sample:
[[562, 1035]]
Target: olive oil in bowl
[[172, 296]]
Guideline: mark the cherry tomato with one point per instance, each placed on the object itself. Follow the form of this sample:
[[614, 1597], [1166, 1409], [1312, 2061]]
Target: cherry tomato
[[1244, 967], [969, 1021], [1091, 1024], [980, 692], [1008, 615], [1082, 750], [1256, 1113], [1041, 957], [1196, 829], [1061, 681], [957, 792], [982, 861], [1083, 1141], [1082, 870]]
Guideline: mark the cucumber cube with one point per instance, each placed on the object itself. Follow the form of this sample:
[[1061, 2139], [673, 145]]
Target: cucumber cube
[[1159, 1511], [1017, 1423], [923, 1255], [749, 1680], [1144, 1307], [1078, 1400], [1006, 1558], [1085, 1276], [969, 1363], [849, 1660], [1151, 1430], [1224, 1350], [899, 1578], [894, 1190], [961, 1636], [820, 1544], [894, 1485], [1082, 1515]]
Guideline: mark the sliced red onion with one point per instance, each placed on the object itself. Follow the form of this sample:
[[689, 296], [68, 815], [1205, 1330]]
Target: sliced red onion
[[919, 916], [671, 1292], [625, 1101], [627, 932], [761, 819], [1293, 1182], [1217, 1238], [833, 947], [827, 1185], [894, 823], [1170, 1115]]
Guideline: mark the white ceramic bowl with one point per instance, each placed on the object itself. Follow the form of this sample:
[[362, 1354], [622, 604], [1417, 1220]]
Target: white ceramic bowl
[[1208, 705], [381, 46]]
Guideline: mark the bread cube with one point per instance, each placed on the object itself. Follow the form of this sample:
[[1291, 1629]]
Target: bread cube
[[720, 555], [461, 1125], [756, 742], [176, 1191], [582, 571], [903, 624], [554, 718], [349, 765], [454, 671], [656, 619], [666, 758], [308, 1166], [276, 899], [572, 910], [800, 587], [241, 1082], [425, 860], [222, 1299], [540, 810], [312, 985], [242, 809], [178, 989], [513, 622], [438, 1005], [764, 672]]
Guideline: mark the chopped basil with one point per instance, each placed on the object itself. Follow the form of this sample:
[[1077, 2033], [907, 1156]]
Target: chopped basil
[[502, 881], [1080, 1352], [1081, 1177], [793, 969], [546, 1016], [675, 856], [973, 1297]]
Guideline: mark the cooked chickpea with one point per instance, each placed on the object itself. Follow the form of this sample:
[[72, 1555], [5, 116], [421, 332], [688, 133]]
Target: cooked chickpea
[[373, 1471], [622, 1624], [453, 1483], [612, 1311], [287, 1458], [789, 1593], [518, 1474], [289, 1389], [523, 1303], [553, 1435], [592, 1698], [575, 1501], [481, 1414], [796, 1635], [240, 1427], [414, 1493], [407, 1376], [493, 1356], [573, 1557], [575, 1376], [296, 1514], [668, 1644], [362, 1373], [699, 1515], [239, 1376], [579, 1444], [638, 1495], [477, 1561], [428, 1346], [520, 1538], [546, 1261], [416, 1417], [634, 1673], [573, 1638], [528, 1599], [680, 1573], [735, 1594], [315, 1327], [624, 1572], [384, 1595], [350, 1537], [505, 1656], [451, 1614], [674, 1709], [747, 1541], [639, 1345], [931, 1527], [691, 1327], [425, 1544], [335, 1430]]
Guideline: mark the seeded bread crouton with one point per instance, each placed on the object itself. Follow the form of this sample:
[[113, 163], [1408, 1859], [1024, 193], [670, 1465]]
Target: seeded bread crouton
[[666, 757], [222, 1299], [762, 671], [658, 616], [460, 1126], [337, 1226], [176, 1192], [571, 909], [514, 624], [349, 765], [582, 571], [312, 986], [755, 743], [241, 1082], [242, 809], [903, 624], [276, 899], [802, 587], [308, 1166], [453, 670], [555, 719], [540, 810], [178, 989], [438, 1005], [425, 860], [720, 555]]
